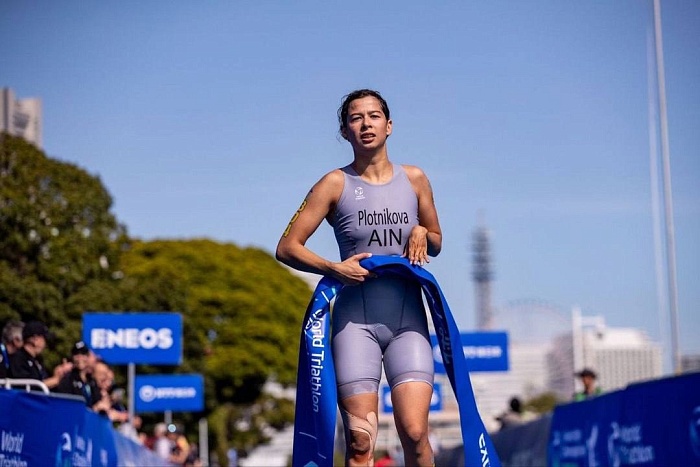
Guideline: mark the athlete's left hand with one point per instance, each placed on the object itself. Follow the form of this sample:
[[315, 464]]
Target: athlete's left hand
[[416, 250]]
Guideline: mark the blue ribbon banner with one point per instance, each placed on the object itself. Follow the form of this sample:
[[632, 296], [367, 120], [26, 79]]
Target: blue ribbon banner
[[314, 427], [143, 338], [484, 351], [177, 393]]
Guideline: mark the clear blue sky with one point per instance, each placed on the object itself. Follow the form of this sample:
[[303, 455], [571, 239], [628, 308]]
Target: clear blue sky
[[214, 119]]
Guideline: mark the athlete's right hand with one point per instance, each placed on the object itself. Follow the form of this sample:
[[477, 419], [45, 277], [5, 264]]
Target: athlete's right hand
[[349, 272]]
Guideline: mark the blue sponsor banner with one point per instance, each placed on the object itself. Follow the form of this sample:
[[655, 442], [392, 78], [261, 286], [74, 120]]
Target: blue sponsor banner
[[652, 423], [149, 337], [484, 351], [435, 400], [37, 429], [177, 393]]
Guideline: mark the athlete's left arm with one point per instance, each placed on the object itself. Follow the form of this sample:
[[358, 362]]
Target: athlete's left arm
[[426, 238]]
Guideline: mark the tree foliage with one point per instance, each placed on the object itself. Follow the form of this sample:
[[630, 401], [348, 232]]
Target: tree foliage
[[57, 236], [543, 403], [241, 309], [63, 253]]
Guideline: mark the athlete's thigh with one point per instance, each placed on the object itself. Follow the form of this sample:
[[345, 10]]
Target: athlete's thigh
[[409, 357], [357, 358], [411, 404]]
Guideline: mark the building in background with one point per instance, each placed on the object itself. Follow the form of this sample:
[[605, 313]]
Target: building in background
[[21, 117], [482, 273], [526, 378], [690, 363], [620, 356]]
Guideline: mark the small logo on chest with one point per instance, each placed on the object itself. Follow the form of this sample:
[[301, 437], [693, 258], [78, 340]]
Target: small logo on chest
[[359, 193]]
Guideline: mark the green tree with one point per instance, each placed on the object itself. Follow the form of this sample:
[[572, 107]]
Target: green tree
[[543, 403], [57, 235], [62, 252], [242, 313]]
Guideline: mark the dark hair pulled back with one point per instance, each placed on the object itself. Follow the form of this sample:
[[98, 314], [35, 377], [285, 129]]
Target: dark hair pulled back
[[359, 94]]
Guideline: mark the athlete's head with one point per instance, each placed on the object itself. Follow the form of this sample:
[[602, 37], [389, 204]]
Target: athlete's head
[[359, 94]]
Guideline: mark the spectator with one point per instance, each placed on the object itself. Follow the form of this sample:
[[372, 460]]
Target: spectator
[[131, 430], [26, 362], [117, 396], [162, 445], [513, 416], [590, 388], [11, 342], [79, 380], [180, 448], [104, 380]]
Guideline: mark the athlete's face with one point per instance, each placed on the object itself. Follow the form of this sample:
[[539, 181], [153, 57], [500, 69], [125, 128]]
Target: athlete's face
[[367, 127]]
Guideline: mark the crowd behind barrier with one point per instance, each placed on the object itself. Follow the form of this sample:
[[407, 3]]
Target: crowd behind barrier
[[654, 423], [83, 393]]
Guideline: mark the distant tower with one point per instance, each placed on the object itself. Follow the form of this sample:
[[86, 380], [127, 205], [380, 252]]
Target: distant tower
[[482, 274]]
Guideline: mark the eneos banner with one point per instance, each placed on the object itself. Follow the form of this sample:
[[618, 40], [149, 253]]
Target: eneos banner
[[144, 337]]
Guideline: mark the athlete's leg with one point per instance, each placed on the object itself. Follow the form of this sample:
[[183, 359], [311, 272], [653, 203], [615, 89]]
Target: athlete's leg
[[409, 366], [359, 414], [411, 401]]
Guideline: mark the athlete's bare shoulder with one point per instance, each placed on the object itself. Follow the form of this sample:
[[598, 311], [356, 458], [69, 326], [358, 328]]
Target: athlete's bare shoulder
[[329, 187], [414, 173]]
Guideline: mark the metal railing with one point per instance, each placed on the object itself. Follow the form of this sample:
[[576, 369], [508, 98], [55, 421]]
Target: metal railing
[[27, 384]]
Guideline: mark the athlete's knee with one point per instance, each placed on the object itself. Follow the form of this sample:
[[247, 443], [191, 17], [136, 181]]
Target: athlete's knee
[[362, 433], [416, 433]]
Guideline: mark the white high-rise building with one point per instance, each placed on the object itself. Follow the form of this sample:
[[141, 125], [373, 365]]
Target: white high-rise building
[[619, 356], [21, 117]]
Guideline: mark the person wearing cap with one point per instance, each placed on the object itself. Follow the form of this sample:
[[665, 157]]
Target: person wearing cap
[[590, 388], [11, 343], [26, 363], [79, 380]]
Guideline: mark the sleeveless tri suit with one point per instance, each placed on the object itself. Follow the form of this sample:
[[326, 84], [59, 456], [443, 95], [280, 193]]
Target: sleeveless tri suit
[[382, 320]]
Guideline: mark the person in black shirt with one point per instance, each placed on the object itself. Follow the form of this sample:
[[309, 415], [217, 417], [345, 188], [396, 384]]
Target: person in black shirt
[[79, 380], [11, 343], [25, 363]]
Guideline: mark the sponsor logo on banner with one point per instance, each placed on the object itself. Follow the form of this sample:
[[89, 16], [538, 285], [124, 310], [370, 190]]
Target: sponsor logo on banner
[[484, 351], [626, 446], [435, 399], [695, 431], [135, 337], [157, 393]]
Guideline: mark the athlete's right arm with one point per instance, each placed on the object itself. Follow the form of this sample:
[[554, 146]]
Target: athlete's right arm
[[292, 250]]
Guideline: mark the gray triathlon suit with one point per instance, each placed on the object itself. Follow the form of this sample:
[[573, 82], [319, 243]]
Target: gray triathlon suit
[[382, 318]]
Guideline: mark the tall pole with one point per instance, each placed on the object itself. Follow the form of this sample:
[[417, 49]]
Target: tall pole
[[661, 300], [577, 340], [668, 199], [131, 383]]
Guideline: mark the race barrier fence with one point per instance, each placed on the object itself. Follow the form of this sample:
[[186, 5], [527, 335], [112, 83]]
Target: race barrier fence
[[654, 423], [48, 430]]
